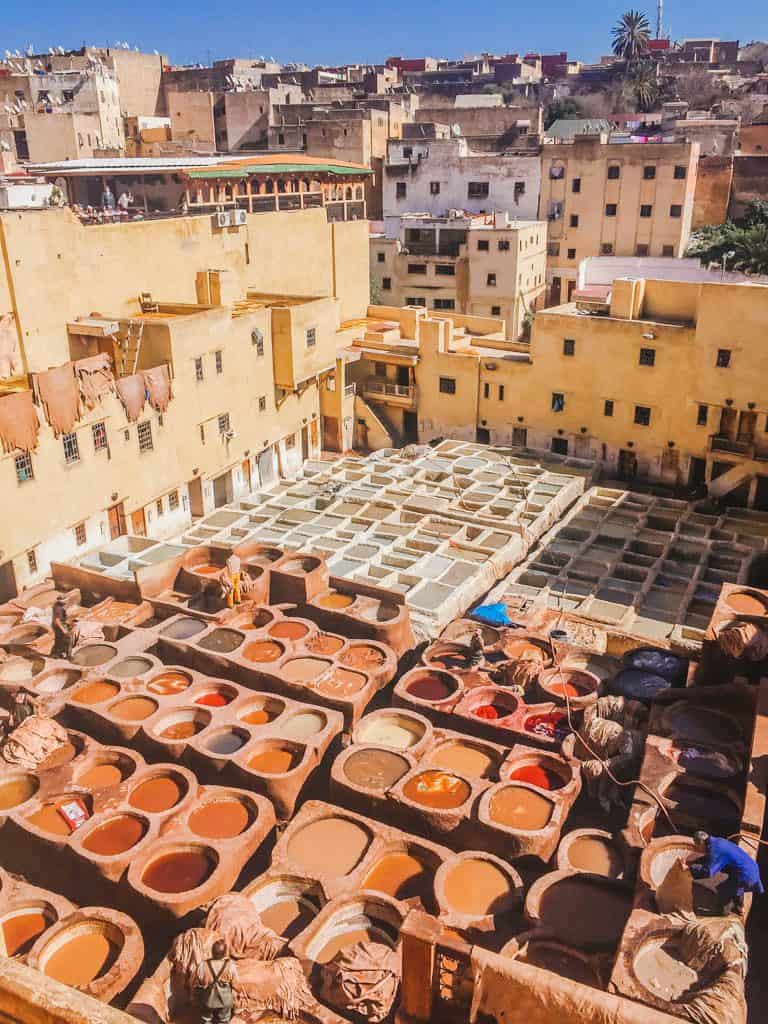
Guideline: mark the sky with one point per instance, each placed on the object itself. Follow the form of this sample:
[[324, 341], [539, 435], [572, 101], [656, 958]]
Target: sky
[[340, 31]]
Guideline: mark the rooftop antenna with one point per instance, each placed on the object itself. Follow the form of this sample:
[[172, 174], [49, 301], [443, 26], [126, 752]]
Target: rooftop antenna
[[659, 16]]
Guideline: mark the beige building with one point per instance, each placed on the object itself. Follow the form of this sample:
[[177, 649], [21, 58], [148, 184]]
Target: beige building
[[605, 198], [485, 265], [246, 318], [645, 376]]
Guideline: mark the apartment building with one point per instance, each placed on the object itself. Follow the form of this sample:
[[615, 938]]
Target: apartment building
[[611, 198], [153, 370], [646, 376], [485, 265]]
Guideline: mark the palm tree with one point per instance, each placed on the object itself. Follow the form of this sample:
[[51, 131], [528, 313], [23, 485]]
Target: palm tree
[[644, 85], [630, 35]]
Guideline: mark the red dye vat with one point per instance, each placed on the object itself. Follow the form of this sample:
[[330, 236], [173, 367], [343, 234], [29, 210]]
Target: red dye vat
[[535, 775], [213, 700], [552, 726]]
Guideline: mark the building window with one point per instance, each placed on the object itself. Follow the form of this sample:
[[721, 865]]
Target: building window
[[576, 185], [490, 280], [159, 507], [483, 245], [218, 357], [610, 209], [504, 245], [478, 190], [571, 254], [667, 250], [647, 356], [608, 407], [415, 300], [723, 357], [444, 304], [223, 421], [448, 385], [386, 284], [556, 172], [71, 448], [144, 432], [486, 390], [559, 445], [518, 191], [32, 560], [606, 249], [642, 415], [558, 401], [614, 171], [574, 220], [400, 190], [199, 368], [99, 433], [434, 188], [173, 501], [649, 172], [569, 346], [417, 268], [257, 340], [680, 172], [201, 428], [701, 415], [495, 310], [675, 210], [553, 248], [646, 210], [24, 469], [380, 257], [311, 337], [80, 535], [641, 250], [501, 392], [445, 270], [263, 403]]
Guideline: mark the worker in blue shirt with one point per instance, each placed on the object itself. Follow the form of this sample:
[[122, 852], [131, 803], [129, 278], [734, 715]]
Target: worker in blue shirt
[[720, 856]]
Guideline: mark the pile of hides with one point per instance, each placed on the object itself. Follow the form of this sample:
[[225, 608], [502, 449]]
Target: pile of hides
[[744, 640], [33, 742], [19, 425], [362, 979], [717, 950], [612, 748], [95, 378], [85, 630]]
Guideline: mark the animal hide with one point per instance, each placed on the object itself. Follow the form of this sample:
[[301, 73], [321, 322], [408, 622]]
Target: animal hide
[[60, 397], [19, 424]]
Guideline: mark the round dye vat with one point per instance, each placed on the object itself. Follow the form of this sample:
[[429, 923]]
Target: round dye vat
[[375, 769], [461, 757], [133, 709], [262, 651], [362, 656], [537, 775], [744, 603], [48, 819], [524, 650], [657, 662], [324, 643], [701, 725], [157, 794], [183, 728], [494, 710], [300, 565], [400, 875], [264, 714], [169, 683], [214, 699], [57, 681], [304, 725], [448, 656], [432, 686], [707, 764], [274, 761], [552, 725], [287, 630], [328, 846], [222, 641], [289, 916], [342, 940], [560, 961], [227, 742], [595, 854], [476, 887], [115, 836], [102, 776], [302, 670], [437, 789], [178, 871], [17, 790], [396, 731], [584, 913], [19, 670], [334, 600], [22, 928], [342, 683], [520, 808], [93, 654], [712, 810], [183, 629], [220, 819], [638, 685], [81, 959], [96, 692], [131, 667], [566, 683], [207, 569], [659, 969]]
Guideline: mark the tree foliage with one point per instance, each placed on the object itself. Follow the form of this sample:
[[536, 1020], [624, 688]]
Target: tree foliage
[[743, 243], [631, 34], [643, 83], [568, 108]]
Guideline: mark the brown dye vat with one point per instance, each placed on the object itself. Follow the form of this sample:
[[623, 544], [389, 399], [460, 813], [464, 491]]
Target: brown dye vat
[[262, 650], [178, 871], [96, 693], [221, 819], [437, 789], [262, 716], [61, 756], [115, 836], [476, 887], [363, 657], [400, 875], [324, 643], [169, 683], [584, 914], [329, 846], [288, 917], [274, 761], [339, 942], [183, 730], [48, 819], [302, 670], [133, 709], [157, 794], [746, 604], [558, 961], [431, 686], [710, 808], [288, 630], [226, 742], [375, 769], [342, 683], [224, 641], [15, 791], [82, 959], [101, 776], [659, 969], [523, 650], [460, 757], [596, 855], [335, 600], [22, 930], [520, 808], [537, 775], [207, 569], [94, 654], [131, 667]]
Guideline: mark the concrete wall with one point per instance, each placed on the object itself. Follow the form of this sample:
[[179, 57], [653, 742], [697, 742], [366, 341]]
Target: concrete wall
[[139, 77], [191, 115], [750, 181], [713, 191], [247, 118]]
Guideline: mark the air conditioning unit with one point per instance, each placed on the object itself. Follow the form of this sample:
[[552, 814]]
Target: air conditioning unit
[[222, 220], [239, 218]]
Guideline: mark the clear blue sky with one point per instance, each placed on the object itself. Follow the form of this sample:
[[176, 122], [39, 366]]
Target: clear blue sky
[[340, 31]]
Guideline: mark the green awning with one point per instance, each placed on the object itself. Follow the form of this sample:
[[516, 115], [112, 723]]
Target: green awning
[[306, 169]]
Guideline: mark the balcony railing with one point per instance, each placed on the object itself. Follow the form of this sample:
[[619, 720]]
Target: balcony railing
[[384, 390], [450, 249], [349, 390], [726, 445]]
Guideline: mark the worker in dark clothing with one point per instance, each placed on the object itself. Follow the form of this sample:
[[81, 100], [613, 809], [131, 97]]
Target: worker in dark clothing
[[62, 631], [23, 708], [215, 995], [721, 856]]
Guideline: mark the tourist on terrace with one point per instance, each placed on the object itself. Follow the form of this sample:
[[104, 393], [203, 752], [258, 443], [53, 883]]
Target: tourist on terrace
[[721, 856]]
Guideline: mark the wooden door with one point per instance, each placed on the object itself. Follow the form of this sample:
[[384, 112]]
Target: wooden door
[[116, 520], [138, 523], [247, 474]]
